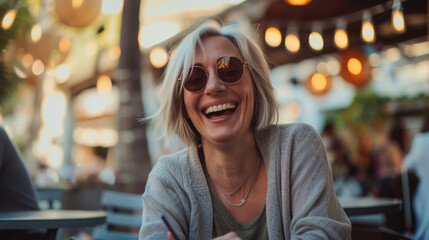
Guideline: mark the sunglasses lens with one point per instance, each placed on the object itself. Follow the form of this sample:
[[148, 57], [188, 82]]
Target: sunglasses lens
[[197, 80], [230, 69]]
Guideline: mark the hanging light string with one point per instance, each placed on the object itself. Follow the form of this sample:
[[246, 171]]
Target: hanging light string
[[392, 5]]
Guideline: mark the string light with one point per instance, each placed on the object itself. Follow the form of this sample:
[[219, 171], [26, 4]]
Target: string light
[[292, 42], [368, 33], [273, 37], [341, 39], [315, 38], [398, 21], [298, 2], [8, 19], [158, 57], [318, 84], [36, 32]]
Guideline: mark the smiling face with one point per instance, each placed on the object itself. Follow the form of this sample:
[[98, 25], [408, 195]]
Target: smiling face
[[221, 112]]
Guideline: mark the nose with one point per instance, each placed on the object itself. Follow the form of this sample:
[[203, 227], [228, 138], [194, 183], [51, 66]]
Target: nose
[[214, 84]]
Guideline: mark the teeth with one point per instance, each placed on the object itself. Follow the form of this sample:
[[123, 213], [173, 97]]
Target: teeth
[[220, 107]]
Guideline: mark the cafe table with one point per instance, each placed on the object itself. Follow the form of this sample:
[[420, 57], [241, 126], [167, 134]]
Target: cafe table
[[51, 220], [370, 205]]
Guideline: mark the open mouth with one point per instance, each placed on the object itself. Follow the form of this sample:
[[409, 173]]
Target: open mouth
[[219, 110]]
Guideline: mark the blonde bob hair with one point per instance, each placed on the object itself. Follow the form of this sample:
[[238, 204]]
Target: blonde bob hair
[[172, 116]]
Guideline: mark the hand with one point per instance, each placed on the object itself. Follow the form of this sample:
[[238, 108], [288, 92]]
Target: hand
[[170, 236], [229, 236]]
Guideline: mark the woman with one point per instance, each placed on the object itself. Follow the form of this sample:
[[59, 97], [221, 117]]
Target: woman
[[240, 176]]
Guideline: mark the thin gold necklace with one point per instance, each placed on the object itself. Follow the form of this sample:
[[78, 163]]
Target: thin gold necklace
[[245, 179], [243, 201]]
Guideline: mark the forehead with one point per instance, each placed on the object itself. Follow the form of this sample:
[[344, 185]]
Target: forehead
[[215, 47]]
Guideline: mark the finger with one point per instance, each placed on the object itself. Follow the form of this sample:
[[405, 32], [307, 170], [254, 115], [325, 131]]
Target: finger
[[170, 236]]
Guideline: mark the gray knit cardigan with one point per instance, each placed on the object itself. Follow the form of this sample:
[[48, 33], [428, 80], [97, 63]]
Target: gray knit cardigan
[[300, 204]]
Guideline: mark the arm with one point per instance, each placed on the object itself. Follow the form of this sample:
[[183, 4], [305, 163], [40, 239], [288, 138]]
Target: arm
[[15, 183], [316, 212], [164, 194]]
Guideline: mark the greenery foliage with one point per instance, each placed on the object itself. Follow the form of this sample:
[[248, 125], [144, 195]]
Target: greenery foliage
[[8, 80]]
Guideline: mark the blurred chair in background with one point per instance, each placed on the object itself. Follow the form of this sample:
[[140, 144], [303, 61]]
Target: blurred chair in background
[[49, 198], [123, 216]]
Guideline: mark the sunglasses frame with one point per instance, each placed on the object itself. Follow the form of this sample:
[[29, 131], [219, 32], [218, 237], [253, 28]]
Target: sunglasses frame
[[244, 63]]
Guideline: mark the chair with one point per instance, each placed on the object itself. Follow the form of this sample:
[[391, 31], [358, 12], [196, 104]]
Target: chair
[[49, 198], [123, 216]]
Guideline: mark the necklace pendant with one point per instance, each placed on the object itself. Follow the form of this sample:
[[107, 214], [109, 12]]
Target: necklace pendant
[[243, 201]]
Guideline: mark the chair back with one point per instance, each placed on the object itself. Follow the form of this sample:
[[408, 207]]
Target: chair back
[[123, 216], [49, 198]]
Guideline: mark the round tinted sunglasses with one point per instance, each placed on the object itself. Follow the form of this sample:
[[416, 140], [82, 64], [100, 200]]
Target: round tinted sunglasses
[[228, 69]]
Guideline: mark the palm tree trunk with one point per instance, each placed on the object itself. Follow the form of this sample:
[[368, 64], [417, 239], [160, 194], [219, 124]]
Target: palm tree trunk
[[132, 158]]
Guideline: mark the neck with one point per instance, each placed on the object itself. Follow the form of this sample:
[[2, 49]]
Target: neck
[[228, 166]]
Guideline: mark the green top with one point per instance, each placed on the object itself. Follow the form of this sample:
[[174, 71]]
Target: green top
[[224, 223]]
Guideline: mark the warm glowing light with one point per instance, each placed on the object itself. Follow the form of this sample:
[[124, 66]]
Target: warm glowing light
[[298, 2], [106, 137], [104, 84], [341, 39], [36, 32], [292, 43], [318, 84], [64, 44], [77, 3], [398, 21], [368, 32], [95, 104], [115, 52], [53, 111], [151, 35], [112, 6], [273, 37], [62, 73], [19, 73], [27, 60], [8, 19], [316, 41], [319, 81], [354, 66], [38, 67], [158, 57]]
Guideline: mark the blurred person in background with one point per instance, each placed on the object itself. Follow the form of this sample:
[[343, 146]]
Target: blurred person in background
[[343, 171], [16, 189], [240, 176], [388, 156], [417, 161]]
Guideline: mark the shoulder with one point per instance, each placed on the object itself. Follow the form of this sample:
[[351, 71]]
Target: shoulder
[[171, 163], [294, 130]]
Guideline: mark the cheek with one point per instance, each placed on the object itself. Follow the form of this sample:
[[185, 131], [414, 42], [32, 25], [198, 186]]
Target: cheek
[[190, 102]]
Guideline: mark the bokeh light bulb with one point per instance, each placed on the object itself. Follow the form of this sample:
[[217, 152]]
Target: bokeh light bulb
[[273, 37], [398, 20], [368, 32], [8, 19]]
